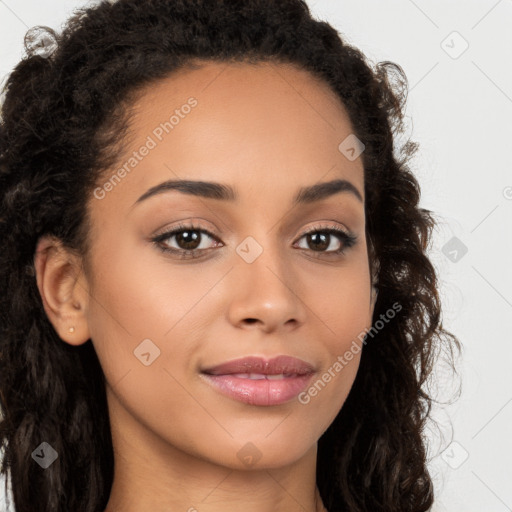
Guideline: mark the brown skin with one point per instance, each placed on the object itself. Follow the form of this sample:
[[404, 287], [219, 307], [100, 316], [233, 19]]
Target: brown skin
[[266, 130]]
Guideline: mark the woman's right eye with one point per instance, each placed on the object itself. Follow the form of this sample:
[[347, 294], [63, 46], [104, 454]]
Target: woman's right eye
[[187, 238]]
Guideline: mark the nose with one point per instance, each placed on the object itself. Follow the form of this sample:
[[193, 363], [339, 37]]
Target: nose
[[265, 294]]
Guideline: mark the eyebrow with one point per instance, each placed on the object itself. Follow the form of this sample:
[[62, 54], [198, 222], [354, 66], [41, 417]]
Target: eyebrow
[[219, 191]]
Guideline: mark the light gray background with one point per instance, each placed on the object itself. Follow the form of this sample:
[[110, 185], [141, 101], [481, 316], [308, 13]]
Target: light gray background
[[459, 110]]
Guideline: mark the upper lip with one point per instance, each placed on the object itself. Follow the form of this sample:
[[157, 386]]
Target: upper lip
[[253, 364]]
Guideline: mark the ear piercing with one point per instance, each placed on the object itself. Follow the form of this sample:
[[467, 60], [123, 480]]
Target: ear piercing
[[71, 330]]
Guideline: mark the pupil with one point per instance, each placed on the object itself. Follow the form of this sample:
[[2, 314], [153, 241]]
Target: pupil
[[315, 237], [190, 244]]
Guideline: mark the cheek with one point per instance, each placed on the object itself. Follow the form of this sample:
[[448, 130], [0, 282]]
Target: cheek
[[140, 318], [139, 293], [136, 307], [340, 300], [343, 315]]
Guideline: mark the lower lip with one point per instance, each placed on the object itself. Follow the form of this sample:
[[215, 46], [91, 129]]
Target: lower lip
[[259, 391]]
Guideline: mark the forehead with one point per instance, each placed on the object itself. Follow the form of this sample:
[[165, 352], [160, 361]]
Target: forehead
[[234, 82], [257, 125]]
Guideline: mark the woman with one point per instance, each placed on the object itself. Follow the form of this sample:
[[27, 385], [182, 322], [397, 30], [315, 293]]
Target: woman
[[215, 287]]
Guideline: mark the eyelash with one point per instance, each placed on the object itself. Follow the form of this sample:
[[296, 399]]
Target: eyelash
[[348, 240]]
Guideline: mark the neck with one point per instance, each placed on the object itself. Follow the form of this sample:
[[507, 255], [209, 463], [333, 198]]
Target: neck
[[229, 491], [151, 474]]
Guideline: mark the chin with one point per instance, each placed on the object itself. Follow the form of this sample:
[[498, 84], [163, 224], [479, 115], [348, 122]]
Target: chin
[[263, 451]]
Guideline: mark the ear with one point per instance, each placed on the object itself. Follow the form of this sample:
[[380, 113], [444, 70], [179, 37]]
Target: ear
[[63, 289]]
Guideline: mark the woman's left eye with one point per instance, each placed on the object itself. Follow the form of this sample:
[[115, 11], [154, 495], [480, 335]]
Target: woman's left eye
[[189, 240], [323, 239]]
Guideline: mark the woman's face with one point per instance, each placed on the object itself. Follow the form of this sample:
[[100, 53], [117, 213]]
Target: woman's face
[[257, 286]]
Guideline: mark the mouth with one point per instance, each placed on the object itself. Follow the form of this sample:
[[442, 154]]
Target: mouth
[[258, 381], [261, 376]]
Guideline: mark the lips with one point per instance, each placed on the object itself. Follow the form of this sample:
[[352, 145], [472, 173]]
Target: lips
[[282, 365], [258, 381]]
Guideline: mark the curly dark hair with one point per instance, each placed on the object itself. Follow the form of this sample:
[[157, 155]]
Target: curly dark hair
[[62, 117]]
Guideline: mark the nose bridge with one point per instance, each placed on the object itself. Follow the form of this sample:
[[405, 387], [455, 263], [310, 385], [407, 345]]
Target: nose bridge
[[260, 258], [265, 289]]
